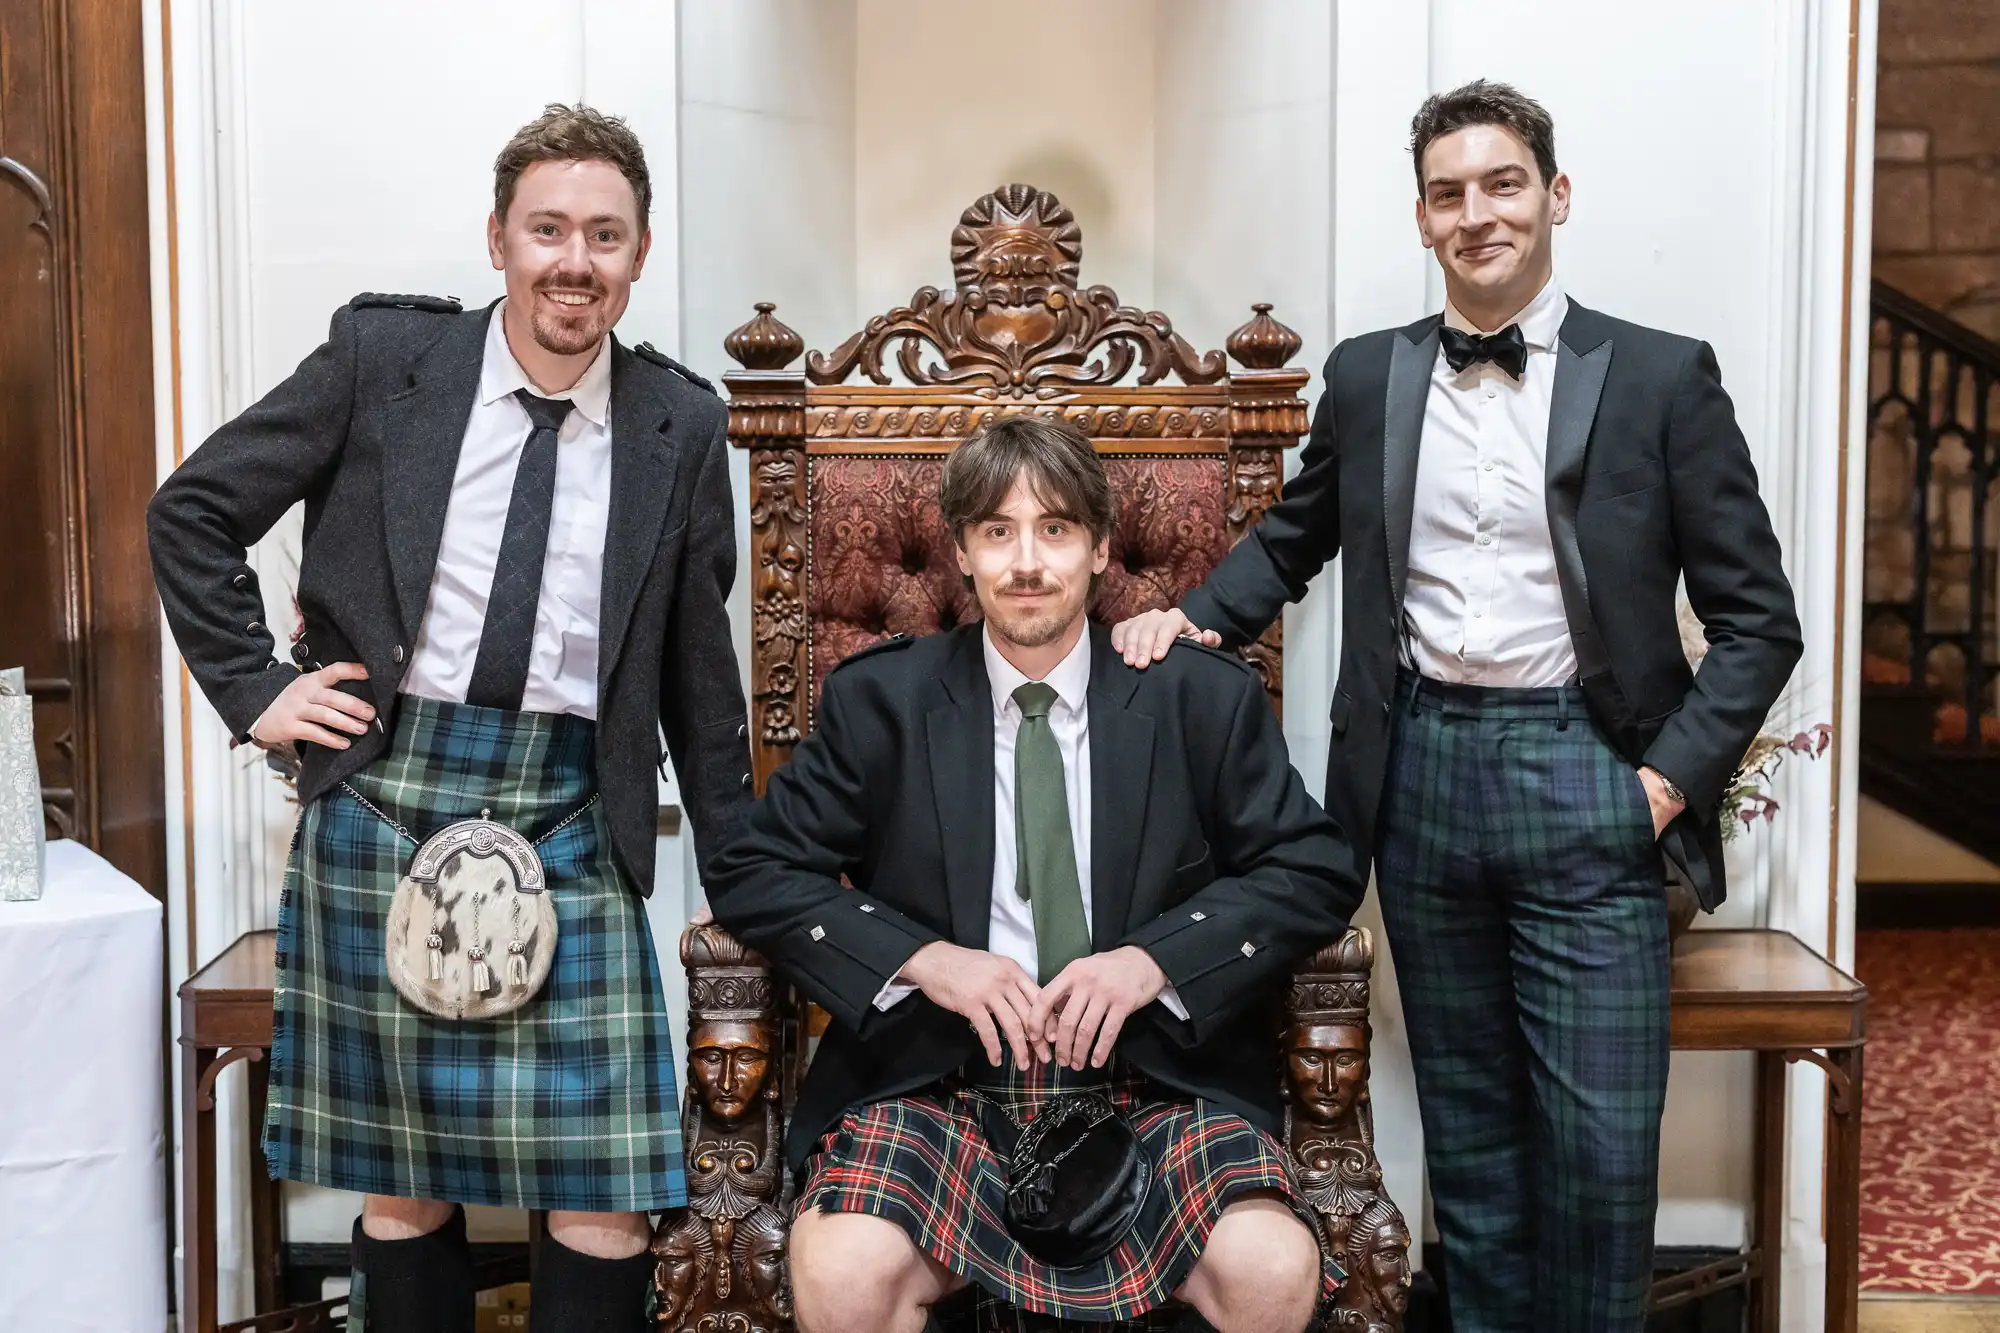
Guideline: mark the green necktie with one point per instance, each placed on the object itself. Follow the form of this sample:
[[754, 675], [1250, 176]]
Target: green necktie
[[1044, 855]]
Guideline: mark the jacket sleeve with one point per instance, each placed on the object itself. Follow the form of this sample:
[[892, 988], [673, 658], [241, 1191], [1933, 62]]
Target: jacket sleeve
[[1286, 882], [701, 693], [1736, 585], [222, 500], [1277, 559], [776, 884]]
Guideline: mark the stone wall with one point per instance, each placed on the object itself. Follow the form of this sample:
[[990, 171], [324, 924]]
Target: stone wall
[[1937, 237], [1937, 156]]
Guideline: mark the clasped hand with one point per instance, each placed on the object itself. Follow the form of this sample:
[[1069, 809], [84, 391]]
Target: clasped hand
[[1073, 1020]]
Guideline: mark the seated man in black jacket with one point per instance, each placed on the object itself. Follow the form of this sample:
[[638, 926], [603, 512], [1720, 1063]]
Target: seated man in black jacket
[[1094, 876]]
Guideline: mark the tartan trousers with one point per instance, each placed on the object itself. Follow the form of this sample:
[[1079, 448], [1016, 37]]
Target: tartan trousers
[[1524, 898]]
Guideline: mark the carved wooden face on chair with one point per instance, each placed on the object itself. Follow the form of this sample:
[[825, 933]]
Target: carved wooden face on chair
[[758, 1251], [1326, 1067], [685, 1254], [729, 1061], [1380, 1248]]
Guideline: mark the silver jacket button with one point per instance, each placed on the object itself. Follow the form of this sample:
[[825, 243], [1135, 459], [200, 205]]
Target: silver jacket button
[[396, 653]]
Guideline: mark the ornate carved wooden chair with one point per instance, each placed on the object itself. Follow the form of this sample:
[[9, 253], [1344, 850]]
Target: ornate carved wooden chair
[[847, 547]]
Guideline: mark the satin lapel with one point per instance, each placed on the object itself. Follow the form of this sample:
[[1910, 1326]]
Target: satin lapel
[[959, 735], [644, 461], [423, 431], [1121, 775], [1572, 409], [1411, 358]]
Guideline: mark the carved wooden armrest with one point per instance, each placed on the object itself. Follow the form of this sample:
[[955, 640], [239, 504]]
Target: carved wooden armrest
[[1330, 1132], [721, 1259]]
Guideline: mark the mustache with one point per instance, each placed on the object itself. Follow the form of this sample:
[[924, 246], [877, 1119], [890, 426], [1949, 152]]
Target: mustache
[[1028, 585], [575, 282]]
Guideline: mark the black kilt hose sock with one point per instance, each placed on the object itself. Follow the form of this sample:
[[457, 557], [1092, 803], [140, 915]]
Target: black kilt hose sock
[[580, 1293], [420, 1285]]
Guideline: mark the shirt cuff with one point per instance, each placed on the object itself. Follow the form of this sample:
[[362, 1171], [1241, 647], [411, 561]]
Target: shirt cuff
[[894, 992], [1168, 997]]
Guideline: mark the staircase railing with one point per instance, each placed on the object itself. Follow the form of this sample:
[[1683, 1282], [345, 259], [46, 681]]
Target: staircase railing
[[1933, 461]]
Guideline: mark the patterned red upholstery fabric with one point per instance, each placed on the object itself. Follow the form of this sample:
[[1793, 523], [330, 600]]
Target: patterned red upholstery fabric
[[882, 560]]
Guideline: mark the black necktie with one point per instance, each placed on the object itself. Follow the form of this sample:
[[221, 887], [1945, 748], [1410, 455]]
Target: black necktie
[[500, 672], [1506, 349]]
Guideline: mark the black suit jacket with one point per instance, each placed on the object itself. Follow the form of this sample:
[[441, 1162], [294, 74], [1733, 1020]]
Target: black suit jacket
[[1206, 851], [367, 433], [1649, 481]]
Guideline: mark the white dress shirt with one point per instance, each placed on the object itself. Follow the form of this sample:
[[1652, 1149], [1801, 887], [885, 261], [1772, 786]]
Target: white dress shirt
[[1482, 605], [562, 662], [1011, 919]]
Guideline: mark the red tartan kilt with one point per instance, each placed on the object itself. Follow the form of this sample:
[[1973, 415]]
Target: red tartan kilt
[[922, 1162]]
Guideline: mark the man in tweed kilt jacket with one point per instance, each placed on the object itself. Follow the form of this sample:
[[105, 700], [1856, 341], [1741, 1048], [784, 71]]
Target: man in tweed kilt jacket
[[1518, 743], [518, 553], [1092, 877]]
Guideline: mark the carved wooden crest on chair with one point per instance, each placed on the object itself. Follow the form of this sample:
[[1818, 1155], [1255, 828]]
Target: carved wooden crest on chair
[[847, 547]]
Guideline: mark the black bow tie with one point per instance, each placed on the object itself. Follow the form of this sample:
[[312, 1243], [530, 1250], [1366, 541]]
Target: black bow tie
[[1506, 349]]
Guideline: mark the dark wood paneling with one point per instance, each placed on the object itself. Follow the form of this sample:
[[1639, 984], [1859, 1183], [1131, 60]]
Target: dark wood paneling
[[115, 359], [77, 607]]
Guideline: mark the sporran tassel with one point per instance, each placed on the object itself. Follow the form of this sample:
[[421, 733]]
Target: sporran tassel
[[436, 943], [517, 965], [482, 976]]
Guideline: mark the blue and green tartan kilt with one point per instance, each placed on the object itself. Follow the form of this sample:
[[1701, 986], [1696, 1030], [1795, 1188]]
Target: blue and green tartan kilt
[[570, 1101], [922, 1162]]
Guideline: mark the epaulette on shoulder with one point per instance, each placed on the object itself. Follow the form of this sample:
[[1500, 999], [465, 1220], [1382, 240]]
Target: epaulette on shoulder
[[893, 642], [436, 305], [659, 358]]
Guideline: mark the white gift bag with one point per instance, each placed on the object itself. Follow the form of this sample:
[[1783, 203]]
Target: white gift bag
[[20, 793]]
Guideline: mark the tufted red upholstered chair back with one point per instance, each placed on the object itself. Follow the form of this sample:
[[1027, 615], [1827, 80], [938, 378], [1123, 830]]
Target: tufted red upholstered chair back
[[847, 547]]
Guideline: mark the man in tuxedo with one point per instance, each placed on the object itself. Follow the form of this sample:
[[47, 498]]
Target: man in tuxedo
[[1066, 874], [518, 552], [1518, 486]]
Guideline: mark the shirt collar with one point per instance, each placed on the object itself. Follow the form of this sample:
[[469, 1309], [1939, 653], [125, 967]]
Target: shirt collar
[[1541, 319], [1070, 679], [501, 375]]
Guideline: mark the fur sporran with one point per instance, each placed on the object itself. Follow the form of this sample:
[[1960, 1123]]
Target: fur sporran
[[472, 928]]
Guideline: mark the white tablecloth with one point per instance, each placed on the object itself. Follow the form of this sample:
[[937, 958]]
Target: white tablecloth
[[82, 1207]]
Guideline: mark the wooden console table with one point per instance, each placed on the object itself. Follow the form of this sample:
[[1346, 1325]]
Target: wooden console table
[[1766, 991], [226, 1018]]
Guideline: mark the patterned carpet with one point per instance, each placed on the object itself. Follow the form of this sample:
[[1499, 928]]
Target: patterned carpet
[[1930, 1143]]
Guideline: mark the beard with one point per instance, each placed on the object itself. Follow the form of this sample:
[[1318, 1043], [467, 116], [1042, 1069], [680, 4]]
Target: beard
[[569, 334], [1033, 629]]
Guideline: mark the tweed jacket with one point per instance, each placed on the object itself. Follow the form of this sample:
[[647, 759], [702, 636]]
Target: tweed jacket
[[366, 432]]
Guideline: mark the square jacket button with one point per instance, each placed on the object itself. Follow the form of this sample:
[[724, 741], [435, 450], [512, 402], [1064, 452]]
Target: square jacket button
[[1197, 916], [1249, 949], [868, 907], [819, 933]]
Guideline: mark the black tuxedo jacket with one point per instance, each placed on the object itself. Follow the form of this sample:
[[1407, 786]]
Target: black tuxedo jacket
[[367, 433], [1649, 482], [1206, 851]]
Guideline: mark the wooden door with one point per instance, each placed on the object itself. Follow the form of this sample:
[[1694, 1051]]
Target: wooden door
[[77, 607]]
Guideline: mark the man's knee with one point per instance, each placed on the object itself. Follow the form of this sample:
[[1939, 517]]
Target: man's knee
[[854, 1271], [385, 1217], [601, 1235], [1260, 1269]]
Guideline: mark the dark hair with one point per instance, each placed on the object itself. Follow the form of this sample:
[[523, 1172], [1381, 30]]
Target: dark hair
[[1061, 466], [1484, 103], [572, 134]]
